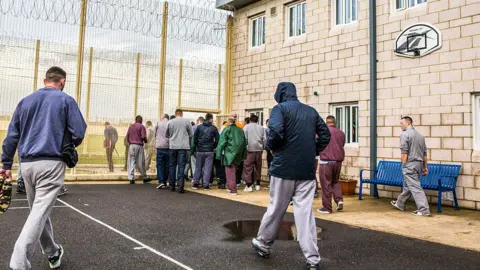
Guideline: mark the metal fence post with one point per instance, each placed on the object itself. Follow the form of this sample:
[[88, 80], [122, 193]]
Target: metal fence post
[[137, 84], [163, 62], [180, 79], [89, 88], [228, 67], [81, 45], [37, 61], [219, 85]]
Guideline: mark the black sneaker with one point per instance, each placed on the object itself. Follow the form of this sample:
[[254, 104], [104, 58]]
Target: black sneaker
[[132, 182], [313, 266], [21, 189], [56, 259], [221, 186], [195, 186], [316, 195], [172, 189], [324, 211], [63, 191], [261, 251], [147, 180], [181, 190], [206, 188]]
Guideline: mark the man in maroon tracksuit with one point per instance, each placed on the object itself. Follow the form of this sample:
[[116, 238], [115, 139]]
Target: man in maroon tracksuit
[[330, 166]]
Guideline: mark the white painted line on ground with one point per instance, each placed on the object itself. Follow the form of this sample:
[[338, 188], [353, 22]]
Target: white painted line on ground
[[138, 248], [128, 237], [26, 207]]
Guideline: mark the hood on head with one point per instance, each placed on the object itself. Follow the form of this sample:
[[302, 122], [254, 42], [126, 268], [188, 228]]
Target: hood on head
[[286, 91]]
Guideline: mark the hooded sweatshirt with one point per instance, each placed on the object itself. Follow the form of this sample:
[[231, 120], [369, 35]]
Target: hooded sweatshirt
[[292, 129]]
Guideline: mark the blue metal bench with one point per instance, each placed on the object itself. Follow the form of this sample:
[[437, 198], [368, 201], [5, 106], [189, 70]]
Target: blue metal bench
[[441, 177]]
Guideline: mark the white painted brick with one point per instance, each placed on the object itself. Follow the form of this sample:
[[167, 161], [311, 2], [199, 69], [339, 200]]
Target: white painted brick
[[431, 119], [462, 155], [462, 131], [441, 155], [433, 143], [452, 99], [472, 194], [441, 131], [452, 143], [452, 119]]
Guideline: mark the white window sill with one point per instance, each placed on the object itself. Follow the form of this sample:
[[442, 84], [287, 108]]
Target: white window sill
[[256, 50], [404, 13], [344, 28], [289, 41]]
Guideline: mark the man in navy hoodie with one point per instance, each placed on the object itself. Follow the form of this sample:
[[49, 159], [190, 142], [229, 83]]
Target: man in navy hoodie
[[37, 128], [292, 129]]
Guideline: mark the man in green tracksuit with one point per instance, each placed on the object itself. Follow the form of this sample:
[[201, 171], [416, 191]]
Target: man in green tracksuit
[[232, 150]]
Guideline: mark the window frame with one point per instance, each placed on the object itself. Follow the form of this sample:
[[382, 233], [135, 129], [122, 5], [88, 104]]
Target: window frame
[[258, 112], [342, 123], [251, 21], [476, 121], [344, 11], [406, 4], [303, 13]]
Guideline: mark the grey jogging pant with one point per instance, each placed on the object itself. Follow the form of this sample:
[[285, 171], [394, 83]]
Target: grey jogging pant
[[412, 187], [301, 192], [43, 181]]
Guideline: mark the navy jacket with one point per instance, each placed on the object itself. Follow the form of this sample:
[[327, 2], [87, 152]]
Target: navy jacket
[[38, 126], [205, 138], [291, 137]]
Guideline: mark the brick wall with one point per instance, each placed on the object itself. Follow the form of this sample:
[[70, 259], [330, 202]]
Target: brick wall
[[434, 90]]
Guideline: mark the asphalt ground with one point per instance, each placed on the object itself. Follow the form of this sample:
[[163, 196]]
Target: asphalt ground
[[139, 227]]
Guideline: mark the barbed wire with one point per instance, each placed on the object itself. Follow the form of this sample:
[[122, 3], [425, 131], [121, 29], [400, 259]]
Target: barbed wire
[[188, 21]]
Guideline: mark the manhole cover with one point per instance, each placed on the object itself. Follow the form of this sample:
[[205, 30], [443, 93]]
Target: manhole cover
[[244, 229]]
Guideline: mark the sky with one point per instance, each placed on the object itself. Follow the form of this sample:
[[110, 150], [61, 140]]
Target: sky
[[114, 64]]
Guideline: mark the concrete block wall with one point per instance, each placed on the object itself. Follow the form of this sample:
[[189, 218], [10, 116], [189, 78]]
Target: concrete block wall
[[435, 90]]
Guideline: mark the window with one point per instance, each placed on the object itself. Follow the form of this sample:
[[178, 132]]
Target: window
[[257, 31], [296, 19], [258, 113], [347, 120], [403, 4], [476, 122], [346, 11]]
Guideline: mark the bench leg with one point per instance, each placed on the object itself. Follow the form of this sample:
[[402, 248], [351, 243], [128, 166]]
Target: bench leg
[[439, 203], [455, 199], [375, 191], [360, 190]]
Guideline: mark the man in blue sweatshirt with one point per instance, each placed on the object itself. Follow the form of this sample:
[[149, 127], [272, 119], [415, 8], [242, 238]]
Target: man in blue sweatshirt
[[38, 127]]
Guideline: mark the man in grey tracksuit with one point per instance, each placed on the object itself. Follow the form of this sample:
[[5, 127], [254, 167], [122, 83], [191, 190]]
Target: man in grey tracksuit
[[40, 125], [292, 129], [414, 162]]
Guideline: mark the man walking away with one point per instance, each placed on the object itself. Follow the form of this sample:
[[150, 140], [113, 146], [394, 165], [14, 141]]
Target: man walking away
[[414, 162], [293, 126], [150, 145], [162, 152], [110, 139], [39, 126], [231, 150], [205, 140], [330, 167], [179, 131], [136, 137], [255, 135]]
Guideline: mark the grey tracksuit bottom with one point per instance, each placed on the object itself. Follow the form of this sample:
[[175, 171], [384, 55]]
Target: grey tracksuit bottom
[[43, 181], [301, 192]]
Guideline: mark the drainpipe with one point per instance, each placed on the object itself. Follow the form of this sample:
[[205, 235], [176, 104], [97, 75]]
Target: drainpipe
[[373, 90]]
